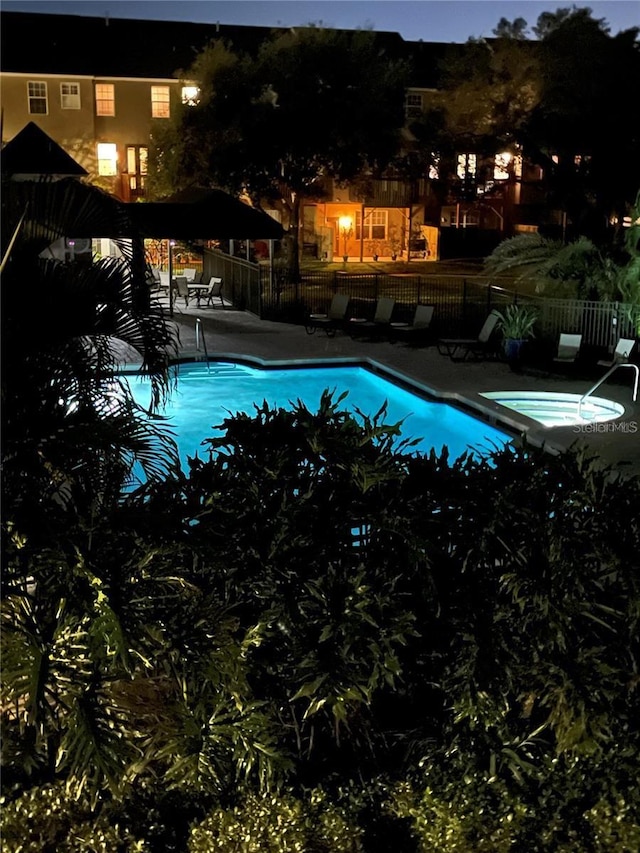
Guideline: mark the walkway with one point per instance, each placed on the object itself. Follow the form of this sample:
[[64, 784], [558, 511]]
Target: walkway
[[236, 333]]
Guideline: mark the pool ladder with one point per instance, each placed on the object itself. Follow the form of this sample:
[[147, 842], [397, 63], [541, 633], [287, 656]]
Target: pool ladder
[[605, 377], [200, 337]]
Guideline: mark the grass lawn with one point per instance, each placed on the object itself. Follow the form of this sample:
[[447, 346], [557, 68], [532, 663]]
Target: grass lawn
[[464, 268]]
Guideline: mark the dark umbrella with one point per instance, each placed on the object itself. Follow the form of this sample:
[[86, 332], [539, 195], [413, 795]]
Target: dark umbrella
[[203, 214], [33, 153]]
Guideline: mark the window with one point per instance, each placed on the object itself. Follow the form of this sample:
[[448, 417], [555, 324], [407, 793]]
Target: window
[[505, 161], [160, 102], [190, 95], [137, 156], [466, 166], [413, 105], [434, 167], [501, 166], [70, 96], [107, 159], [105, 99], [375, 225], [37, 92]]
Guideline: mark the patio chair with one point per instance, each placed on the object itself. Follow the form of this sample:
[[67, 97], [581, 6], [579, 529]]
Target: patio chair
[[333, 320], [152, 276], [380, 324], [568, 348], [181, 288], [484, 346], [416, 332], [190, 274], [210, 291]]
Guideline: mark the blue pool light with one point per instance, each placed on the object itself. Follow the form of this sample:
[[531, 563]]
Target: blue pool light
[[207, 395]]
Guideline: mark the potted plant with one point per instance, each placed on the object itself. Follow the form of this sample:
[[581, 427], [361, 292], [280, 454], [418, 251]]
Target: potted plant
[[516, 323]]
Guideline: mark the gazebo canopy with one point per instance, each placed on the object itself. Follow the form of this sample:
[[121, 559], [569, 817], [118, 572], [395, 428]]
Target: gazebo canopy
[[32, 153], [203, 214]]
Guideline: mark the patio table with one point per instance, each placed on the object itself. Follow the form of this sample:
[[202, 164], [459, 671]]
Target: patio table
[[199, 290]]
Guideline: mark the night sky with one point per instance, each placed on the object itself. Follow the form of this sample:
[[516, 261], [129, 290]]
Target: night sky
[[430, 20]]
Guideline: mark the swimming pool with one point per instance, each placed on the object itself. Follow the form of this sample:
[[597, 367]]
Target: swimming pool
[[553, 409], [206, 395]]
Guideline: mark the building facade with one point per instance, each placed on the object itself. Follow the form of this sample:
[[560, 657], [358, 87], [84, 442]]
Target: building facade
[[99, 86]]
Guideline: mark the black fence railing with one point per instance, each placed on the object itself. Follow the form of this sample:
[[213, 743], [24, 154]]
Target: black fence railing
[[461, 303]]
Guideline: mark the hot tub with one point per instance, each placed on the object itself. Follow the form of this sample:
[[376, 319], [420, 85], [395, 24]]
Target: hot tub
[[556, 409]]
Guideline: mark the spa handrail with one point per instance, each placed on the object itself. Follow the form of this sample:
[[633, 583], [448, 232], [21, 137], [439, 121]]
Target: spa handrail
[[200, 337], [605, 377]]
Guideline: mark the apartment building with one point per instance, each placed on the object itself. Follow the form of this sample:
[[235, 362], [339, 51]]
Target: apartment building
[[99, 85]]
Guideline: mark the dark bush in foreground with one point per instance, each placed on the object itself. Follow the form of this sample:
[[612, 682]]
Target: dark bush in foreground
[[316, 633]]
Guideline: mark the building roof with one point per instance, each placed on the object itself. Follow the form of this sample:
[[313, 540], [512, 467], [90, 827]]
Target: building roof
[[110, 47], [33, 43], [33, 152]]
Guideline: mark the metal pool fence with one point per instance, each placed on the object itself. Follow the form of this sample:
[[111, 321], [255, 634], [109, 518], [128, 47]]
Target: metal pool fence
[[461, 302]]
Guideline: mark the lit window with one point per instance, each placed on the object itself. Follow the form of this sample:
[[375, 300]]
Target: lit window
[[70, 96], [501, 166], [413, 104], [434, 168], [466, 166], [160, 102], [190, 95], [505, 163], [375, 225], [37, 92], [105, 99], [107, 159], [137, 158]]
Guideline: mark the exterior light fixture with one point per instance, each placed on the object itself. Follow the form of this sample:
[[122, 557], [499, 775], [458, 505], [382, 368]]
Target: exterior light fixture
[[345, 224], [190, 95]]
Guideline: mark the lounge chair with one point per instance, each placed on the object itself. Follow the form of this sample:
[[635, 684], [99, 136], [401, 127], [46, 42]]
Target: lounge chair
[[418, 331], [333, 320], [620, 358], [620, 354], [461, 349], [568, 348], [380, 324]]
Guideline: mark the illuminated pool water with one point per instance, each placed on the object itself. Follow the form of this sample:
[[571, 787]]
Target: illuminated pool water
[[205, 397], [555, 409]]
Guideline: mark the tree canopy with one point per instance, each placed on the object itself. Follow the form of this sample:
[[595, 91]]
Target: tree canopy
[[563, 101], [313, 105]]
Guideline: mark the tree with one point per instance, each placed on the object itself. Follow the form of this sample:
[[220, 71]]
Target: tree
[[585, 130], [314, 104], [560, 102], [70, 433], [516, 29], [578, 269]]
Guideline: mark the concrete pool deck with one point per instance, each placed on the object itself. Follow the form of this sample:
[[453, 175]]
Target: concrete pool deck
[[228, 332]]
